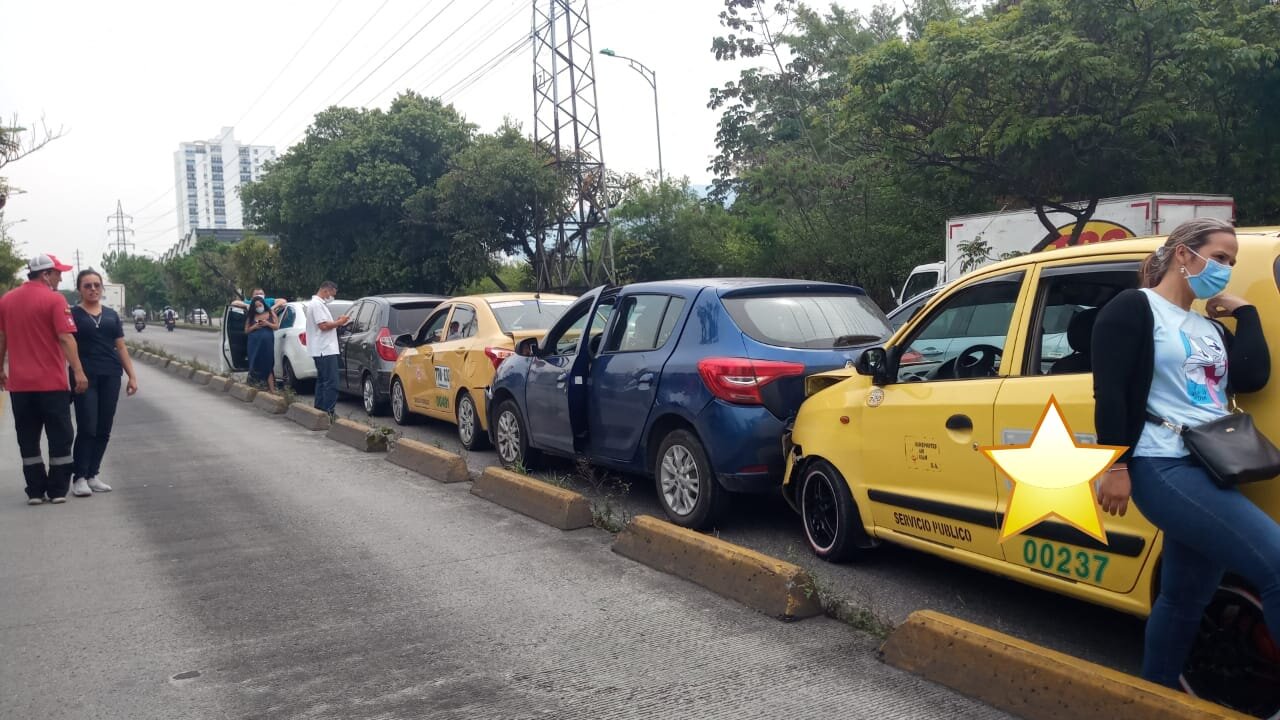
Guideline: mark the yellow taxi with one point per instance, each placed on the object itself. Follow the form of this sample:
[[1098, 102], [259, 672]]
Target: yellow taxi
[[444, 368], [887, 451]]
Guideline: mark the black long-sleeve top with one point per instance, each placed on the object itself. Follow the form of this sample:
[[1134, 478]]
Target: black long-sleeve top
[[1123, 361]]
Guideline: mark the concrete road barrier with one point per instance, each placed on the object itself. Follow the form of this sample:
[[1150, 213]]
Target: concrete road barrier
[[771, 586], [270, 403], [162, 362], [201, 377], [242, 392], [541, 501], [218, 384], [433, 462], [181, 371], [308, 417], [1030, 681], [357, 435]]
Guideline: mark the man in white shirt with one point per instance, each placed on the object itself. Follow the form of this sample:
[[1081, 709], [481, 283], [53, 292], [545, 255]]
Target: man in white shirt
[[322, 343]]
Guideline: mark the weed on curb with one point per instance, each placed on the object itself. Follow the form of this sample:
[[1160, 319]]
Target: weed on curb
[[839, 608]]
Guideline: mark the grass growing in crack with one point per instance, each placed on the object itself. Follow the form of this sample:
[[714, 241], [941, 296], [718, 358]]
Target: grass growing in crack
[[837, 607], [606, 510]]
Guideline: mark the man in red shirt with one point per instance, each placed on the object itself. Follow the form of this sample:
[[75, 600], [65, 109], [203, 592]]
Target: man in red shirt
[[36, 331]]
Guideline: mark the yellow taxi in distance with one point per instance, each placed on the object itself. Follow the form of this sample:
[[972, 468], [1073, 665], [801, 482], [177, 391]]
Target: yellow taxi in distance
[[444, 368], [887, 451]]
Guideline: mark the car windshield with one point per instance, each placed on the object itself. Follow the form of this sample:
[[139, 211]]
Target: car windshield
[[809, 321], [407, 317], [514, 315]]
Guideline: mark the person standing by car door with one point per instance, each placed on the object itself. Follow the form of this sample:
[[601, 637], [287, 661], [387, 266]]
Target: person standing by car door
[[104, 357], [322, 342], [1153, 355], [38, 334]]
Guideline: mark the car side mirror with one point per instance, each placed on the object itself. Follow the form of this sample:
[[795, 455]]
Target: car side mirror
[[874, 362], [527, 347], [404, 341]]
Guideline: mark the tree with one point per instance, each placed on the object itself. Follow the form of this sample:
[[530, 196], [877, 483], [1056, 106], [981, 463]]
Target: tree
[[336, 200], [142, 277], [203, 278], [17, 142], [493, 203], [256, 263], [667, 231], [1057, 101]]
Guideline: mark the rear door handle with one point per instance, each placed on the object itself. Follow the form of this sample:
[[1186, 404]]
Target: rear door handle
[[959, 422], [644, 380]]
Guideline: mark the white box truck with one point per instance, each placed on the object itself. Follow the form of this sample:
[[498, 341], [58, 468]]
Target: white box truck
[[1009, 233], [113, 297]]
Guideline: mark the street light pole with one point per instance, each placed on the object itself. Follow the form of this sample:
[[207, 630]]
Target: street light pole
[[651, 77]]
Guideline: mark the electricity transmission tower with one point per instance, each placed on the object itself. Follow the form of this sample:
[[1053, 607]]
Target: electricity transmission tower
[[120, 231], [567, 123]]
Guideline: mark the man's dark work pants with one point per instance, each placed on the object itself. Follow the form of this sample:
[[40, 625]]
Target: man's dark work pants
[[50, 413], [326, 382]]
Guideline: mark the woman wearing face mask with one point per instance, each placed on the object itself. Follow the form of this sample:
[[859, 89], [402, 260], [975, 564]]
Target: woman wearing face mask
[[103, 355], [1152, 352], [260, 324]]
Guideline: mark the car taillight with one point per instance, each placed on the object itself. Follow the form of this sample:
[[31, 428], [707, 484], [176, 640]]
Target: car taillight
[[496, 355], [386, 345], [738, 380], [302, 338]]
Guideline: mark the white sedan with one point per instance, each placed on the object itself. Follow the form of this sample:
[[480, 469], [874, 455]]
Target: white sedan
[[294, 366]]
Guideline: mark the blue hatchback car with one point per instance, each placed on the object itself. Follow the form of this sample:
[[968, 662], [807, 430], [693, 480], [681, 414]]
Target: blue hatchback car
[[689, 381]]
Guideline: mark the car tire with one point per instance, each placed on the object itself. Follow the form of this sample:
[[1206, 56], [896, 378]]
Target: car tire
[[511, 438], [470, 434], [373, 405], [687, 487], [831, 522], [291, 380], [1229, 662], [400, 411]]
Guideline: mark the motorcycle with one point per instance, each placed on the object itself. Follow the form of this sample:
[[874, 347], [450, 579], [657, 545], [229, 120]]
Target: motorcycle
[[168, 324], [139, 324]]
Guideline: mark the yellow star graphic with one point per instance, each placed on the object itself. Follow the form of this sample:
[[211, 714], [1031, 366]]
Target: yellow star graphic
[[1053, 475]]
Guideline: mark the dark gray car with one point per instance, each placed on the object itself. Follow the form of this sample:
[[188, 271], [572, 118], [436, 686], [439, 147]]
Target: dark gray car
[[367, 344]]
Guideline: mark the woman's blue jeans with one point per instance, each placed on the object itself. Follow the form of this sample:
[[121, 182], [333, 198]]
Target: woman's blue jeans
[[1207, 532]]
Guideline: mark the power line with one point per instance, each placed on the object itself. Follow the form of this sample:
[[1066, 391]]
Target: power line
[[437, 74], [395, 52], [315, 77], [296, 53], [512, 50], [154, 200], [434, 48]]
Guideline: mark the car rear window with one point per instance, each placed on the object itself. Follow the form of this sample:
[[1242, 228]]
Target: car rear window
[[516, 315], [809, 321], [408, 317]]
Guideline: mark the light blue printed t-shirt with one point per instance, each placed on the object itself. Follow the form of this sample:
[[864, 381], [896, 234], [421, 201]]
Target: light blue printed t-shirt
[[1189, 385]]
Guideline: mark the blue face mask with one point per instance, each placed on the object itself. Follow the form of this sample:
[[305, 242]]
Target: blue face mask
[[1210, 281]]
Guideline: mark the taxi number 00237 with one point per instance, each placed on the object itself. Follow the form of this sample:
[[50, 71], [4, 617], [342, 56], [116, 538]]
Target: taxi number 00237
[[1063, 561]]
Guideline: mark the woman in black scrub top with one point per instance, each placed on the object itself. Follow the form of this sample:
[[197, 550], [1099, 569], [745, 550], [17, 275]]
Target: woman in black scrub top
[[100, 339]]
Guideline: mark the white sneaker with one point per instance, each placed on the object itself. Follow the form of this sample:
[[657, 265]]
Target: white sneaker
[[80, 488], [97, 485]]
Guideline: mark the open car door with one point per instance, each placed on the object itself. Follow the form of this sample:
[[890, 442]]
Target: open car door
[[235, 344]]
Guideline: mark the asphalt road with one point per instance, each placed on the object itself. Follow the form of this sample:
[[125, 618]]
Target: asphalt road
[[246, 568], [891, 583]]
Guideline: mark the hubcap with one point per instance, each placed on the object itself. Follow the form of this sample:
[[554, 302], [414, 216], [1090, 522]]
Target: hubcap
[[397, 402], [368, 395], [679, 478], [508, 436], [1234, 662], [818, 507], [466, 420]]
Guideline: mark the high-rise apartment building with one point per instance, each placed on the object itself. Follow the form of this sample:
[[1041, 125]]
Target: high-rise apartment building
[[208, 177]]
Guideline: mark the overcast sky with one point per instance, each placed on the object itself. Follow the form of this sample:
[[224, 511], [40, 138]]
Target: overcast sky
[[130, 79]]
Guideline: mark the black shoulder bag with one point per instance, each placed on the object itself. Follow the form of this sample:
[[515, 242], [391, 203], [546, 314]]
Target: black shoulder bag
[[1230, 448]]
